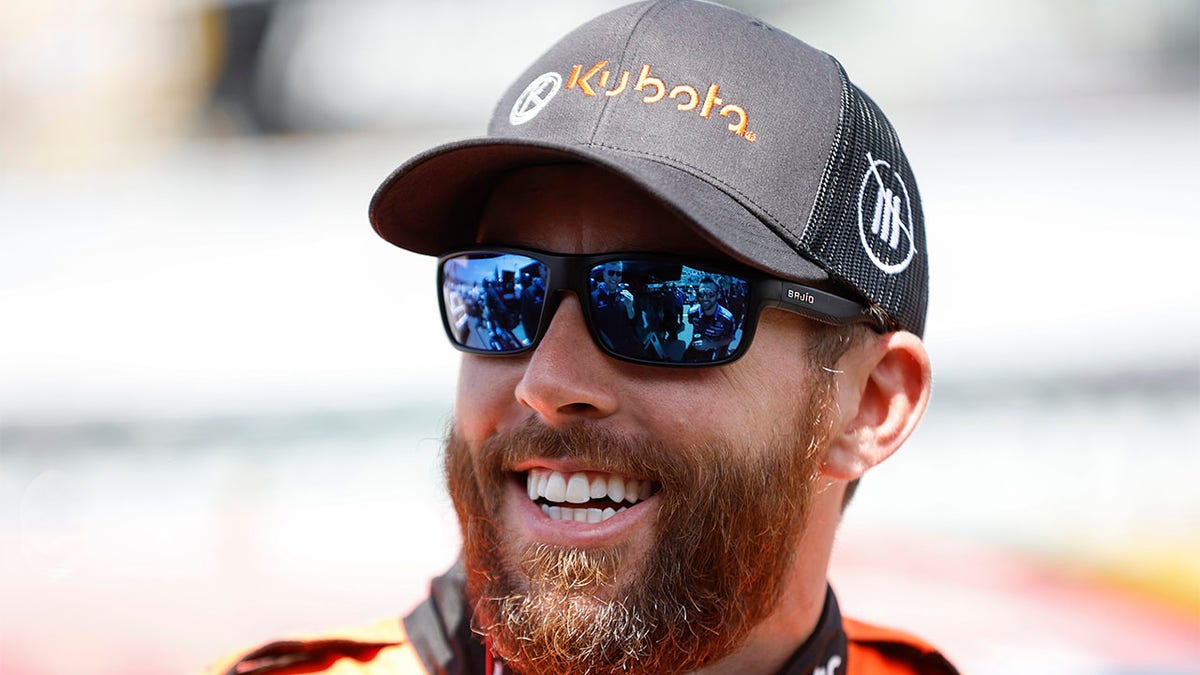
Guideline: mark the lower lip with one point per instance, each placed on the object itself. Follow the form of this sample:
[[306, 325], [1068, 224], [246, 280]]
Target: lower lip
[[572, 532]]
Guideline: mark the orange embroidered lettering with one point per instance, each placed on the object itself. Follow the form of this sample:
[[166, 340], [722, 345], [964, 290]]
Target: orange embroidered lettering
[[582, 80], [710, 99], [621, 85], [685, 89], [686, 97], [645, 79], [740, 127]]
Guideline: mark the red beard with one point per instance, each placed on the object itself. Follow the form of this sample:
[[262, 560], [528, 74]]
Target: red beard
[[728, 522]]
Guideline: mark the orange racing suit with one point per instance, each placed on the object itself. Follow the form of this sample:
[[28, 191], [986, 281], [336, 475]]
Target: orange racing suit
[[435, 639]]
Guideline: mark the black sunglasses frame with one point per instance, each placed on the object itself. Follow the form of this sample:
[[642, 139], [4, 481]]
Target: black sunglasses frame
[[572, 273]]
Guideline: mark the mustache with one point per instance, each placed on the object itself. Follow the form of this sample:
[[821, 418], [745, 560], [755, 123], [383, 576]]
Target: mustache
[[594, 445]]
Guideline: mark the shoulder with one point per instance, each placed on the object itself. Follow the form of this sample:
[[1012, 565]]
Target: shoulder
[[874, 650], [373, 649], [725, 314]]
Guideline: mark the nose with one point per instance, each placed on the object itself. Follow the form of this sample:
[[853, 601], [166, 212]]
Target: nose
[[568, 378]]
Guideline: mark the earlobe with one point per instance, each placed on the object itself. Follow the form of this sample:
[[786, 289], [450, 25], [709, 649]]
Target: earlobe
[[882, 390]]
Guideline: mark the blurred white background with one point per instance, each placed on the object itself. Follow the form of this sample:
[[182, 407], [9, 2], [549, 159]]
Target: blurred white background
[[221, 394]]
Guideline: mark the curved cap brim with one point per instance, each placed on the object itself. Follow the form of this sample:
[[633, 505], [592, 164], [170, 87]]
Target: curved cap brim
[[432, 203]]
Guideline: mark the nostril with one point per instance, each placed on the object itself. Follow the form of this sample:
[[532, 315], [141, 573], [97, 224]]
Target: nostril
[[578, 409]]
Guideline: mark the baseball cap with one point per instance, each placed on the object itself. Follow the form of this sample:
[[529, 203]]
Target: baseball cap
[[758, 139]]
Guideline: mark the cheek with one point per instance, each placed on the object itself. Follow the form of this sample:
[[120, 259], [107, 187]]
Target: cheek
[[774, 376], [730, 404], [485, 395]]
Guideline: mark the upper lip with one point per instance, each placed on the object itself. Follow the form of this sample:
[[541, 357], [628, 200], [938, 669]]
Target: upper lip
[[568, 466]]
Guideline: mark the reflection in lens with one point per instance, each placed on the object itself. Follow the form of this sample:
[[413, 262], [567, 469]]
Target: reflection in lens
[[493, 301], [668, 313]]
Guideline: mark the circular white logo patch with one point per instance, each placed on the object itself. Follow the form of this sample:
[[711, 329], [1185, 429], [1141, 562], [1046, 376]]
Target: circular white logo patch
[[534, 98], [885, 217]]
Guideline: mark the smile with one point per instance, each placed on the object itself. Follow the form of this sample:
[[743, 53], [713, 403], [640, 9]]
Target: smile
[[586, 497]]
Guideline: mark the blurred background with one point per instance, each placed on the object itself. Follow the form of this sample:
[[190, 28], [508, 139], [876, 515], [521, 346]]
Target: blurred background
[[221, 395]]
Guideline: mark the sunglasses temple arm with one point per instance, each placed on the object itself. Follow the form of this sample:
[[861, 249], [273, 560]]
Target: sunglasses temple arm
[[815, 304]]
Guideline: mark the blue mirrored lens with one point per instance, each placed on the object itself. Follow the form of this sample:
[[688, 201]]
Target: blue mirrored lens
[[668, 313], [493, 301]]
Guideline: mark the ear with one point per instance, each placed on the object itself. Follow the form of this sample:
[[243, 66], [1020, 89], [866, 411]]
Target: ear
[[882, 388]]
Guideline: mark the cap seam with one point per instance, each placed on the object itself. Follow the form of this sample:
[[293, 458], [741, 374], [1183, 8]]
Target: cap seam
[[823, 185], [839, 131], [603, 116]]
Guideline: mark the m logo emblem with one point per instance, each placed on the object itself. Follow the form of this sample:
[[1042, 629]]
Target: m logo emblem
[[885, 217], [534, 98]]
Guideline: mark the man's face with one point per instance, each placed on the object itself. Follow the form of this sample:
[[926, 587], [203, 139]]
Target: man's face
[[721, 460], [612, 276], [707, 295]]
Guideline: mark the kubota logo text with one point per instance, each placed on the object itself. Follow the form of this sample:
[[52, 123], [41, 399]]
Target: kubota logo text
[[655, 90], [597, 79]]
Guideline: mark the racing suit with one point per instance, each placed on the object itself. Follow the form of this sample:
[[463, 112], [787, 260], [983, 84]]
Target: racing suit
[[436, 639]]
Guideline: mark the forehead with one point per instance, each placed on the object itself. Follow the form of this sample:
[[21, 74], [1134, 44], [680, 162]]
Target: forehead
[[581, 209]]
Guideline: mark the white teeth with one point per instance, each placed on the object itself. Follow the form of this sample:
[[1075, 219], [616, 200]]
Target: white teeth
[[580, 515], [556, 487], [580, 488], [598, 488], [578, 491], [616, 488]]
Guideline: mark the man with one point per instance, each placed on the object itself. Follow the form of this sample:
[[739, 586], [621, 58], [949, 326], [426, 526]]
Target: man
[[613, 308], [712, 325], [621, 511]]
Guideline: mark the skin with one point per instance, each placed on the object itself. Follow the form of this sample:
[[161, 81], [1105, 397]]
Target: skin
[[881, 388]]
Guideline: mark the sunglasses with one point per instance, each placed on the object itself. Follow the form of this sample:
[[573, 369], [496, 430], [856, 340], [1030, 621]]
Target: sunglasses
[[500, 300]]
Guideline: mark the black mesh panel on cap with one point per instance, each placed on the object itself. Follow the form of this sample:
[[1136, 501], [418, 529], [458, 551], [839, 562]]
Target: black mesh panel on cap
[[866, 225]]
